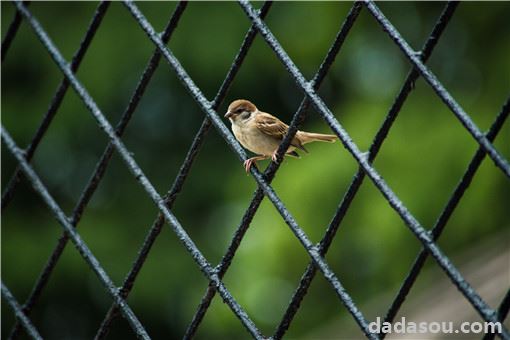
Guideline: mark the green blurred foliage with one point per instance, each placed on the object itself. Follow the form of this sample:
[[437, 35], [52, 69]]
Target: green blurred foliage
[[422, 160]]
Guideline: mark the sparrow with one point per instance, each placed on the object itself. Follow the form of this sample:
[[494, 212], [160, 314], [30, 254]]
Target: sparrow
[[262, 133]]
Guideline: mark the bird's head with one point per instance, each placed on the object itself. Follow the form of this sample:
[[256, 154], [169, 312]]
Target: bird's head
[[240, 109]]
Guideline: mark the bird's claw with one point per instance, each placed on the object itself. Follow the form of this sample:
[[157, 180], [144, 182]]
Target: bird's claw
[[274, 158], [247, 164]]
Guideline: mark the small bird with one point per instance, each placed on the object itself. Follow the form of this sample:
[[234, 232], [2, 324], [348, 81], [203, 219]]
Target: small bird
[[262, 133]]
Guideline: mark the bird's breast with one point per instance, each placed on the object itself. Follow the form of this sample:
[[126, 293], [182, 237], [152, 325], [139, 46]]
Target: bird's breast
[[254, 140]]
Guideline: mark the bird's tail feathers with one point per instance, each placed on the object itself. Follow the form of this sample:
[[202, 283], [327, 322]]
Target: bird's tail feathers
[[308, 137]]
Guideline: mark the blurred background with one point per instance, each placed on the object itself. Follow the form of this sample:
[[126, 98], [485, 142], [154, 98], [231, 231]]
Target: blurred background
[[422, 160]]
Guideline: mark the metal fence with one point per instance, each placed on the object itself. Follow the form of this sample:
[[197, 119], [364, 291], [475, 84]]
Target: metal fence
[[214, 274]]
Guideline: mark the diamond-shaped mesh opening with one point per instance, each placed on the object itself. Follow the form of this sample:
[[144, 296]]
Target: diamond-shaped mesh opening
[[174, 296]]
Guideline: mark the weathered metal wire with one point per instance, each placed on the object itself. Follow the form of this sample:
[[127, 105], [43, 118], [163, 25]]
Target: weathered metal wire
[[447, 213], [271, 170], [103, 162], [11, 32], [309, 274], [438, 87], [444, 262], [45, 123], [57, 98], [269, 192], [503, 309], [32, 331], [137, 172], [77, 240], [181, 176]]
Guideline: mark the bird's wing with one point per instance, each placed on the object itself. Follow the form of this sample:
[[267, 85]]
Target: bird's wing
[[272, 126]]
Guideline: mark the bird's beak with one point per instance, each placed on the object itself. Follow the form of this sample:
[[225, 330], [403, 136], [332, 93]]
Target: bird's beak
[[228, 114]]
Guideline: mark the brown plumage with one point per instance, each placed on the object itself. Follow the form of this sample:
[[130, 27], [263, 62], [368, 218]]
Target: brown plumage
[[262, 133]]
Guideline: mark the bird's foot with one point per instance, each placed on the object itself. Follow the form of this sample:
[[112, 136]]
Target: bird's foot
[[247, 164], [250, 161], [274, 158]]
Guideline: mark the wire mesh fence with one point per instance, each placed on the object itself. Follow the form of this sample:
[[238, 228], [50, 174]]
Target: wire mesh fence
[[215, 273]]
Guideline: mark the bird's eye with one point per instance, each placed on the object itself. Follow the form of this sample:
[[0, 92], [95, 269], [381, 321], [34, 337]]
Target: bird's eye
[[245, 115], [239, 110]]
